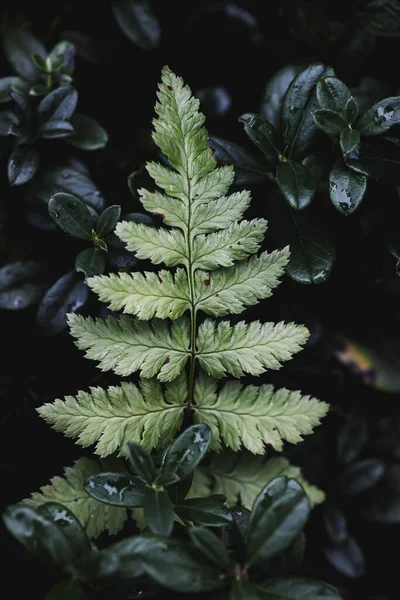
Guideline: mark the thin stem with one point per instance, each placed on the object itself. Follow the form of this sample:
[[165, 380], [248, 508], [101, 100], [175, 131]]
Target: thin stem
[[190, 273]]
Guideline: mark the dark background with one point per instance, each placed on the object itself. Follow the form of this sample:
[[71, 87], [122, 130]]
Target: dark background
[[208, 47]]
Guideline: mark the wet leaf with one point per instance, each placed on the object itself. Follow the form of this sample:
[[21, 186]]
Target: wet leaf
[[333, 94], [381, 17], [274, 92], [279, 513], [359, 476], [204, 511], [138, 23], [71, 215], [262, 133], [90, 262], [19, 46], [142, 462], [346, 188], [185, 453], [380, 117], [22, 164], [159, 513], [118, 489], [69, 525], [352, 438], [329, 121], [89, 134], [335, 523], [378, 158], [347, 558], [349, 140], [58, 105], [66, 295], [296, 183]]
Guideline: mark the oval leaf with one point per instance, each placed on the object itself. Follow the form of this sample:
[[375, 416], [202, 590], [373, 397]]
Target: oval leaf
[[360, 476], [248, 167], [296, 183], [204, 511], [349, 140], [88, 133], [22, 164], [69, 525], [347, 558], [137, 22], [58, 105], [90, 262], [274, 92], [159, 513], [262, 133], [142, 462], [118, 489], [185, 453], [378, 158], [329, 121], [333, 94], [210, 546], [352, 437], [279, 513], [55, 129], [108, 220], [66, 295], [346, 188], [72, 215], [335, 523], [381, 117]]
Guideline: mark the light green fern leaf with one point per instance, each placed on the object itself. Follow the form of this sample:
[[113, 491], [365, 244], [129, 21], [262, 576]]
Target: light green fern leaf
[[146, 295], [127, 345], [219, 213], [242, 476], [247, 348], [173, 211], [111, 418], [157, 245], [253, 416], [93, 515], [232, 289]]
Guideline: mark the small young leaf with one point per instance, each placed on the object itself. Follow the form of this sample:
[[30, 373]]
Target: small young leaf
[[333, 95], [137, 22], [90, 262], [204, 511], [349, 139], [296, 183], [40, 62], [351, 439], [142, 462], [88, 133], [185, 453], [329, 121], [262, 133], [380, 117], [279, 513], [159, 513], [58, 105], [359, 476], [72, 215], [55, 129], [19, 46], [108, 220], [346, 188], [66, 295], [347, 558], [22, 164], [118, 489], [211, 546]]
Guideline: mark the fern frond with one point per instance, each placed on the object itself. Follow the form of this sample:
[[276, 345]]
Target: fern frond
[[127, 345], [254, 416], [146, 295], [158, 245], [94, 516], [173, 211], [247, 348], [111, 418], [243, 476], [232, 289], [219, 213]]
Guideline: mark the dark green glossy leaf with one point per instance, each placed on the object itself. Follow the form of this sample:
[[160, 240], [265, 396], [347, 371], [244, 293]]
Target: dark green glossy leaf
[[118, 489], [335, 523], [89, 134], [380, 117], [347, 558], [66, 295], [346, 188], [352, 438], [59, 104], [204, 511], [351, 110], [349, 140], [142, 462], [22, 164], [296, 183], [65, 590], [185, 453], [108, 220], [295, 588], [159, 513], [312, 254], [381, 17], [246, 163], [18, 272], [137, 22], [300, 102], [55, 129], [21, 296], [333, 94], [72, 215], [19, 46], [179, 491], [262, 133], [329, 121], [211, 546], [274, 92], [68, 524], [120, 560], [167, 479], [279, 513], [359, 476], [90, 262], [8, 84], [378, 158]]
